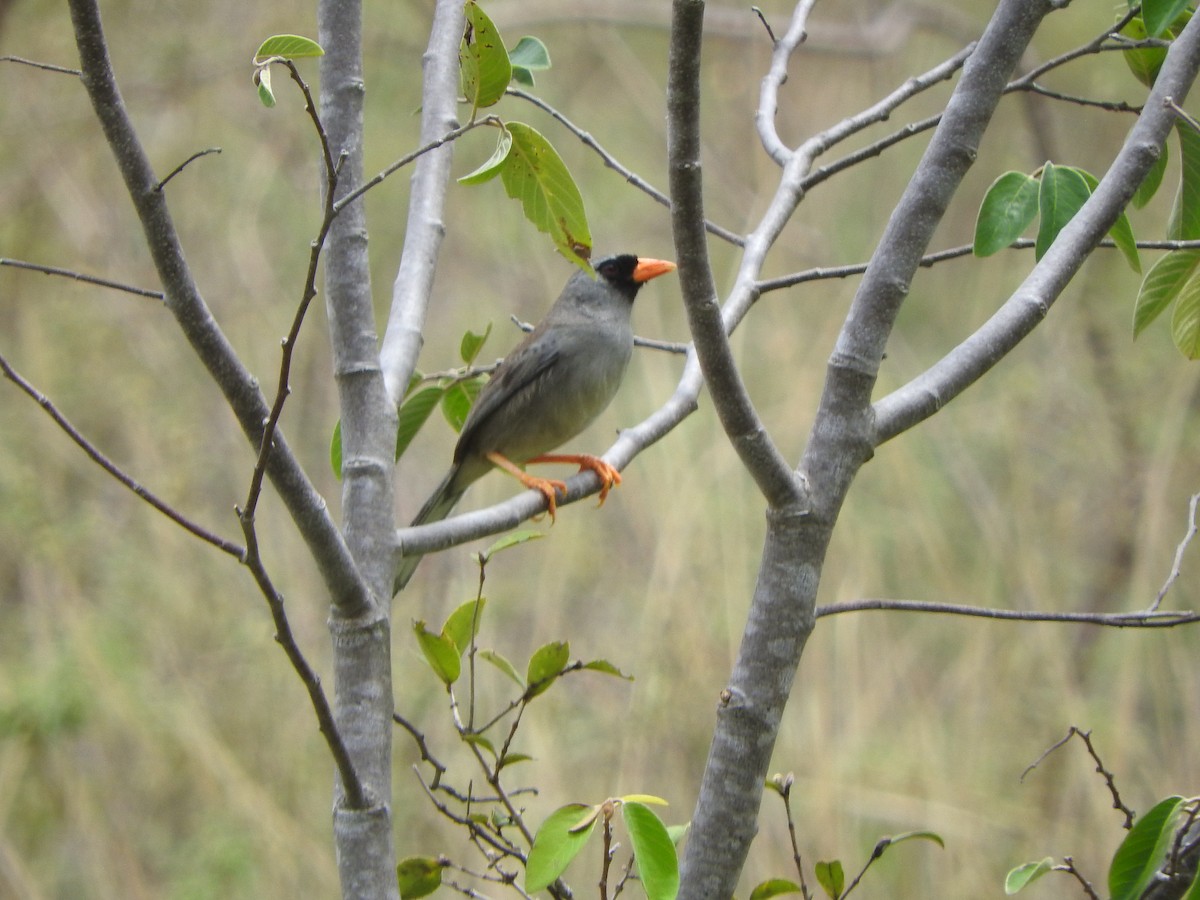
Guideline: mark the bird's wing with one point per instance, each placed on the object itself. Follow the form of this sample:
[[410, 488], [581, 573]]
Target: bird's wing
[[528, 362]]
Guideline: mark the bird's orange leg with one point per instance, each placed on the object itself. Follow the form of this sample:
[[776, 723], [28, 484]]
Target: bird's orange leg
[[609, 476], [547, 486]]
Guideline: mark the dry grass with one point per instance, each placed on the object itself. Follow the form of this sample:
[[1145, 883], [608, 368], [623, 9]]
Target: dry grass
[[153, 742]]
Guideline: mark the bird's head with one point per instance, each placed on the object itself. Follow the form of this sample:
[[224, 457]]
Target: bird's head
[[627, 273]]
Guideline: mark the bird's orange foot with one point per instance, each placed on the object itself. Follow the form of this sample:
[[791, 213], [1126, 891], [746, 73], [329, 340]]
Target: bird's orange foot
[[609, 476], [550, 489]]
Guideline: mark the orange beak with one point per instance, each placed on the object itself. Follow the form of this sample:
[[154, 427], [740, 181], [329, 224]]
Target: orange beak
[[651, 268]]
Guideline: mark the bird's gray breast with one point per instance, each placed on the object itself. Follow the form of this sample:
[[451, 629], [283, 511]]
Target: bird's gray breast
[[589, 363]]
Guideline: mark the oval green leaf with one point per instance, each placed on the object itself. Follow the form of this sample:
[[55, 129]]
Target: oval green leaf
[[1185, 322], [545, 666], [606, 668], [494, 163], [511, 540], [1150, 184], [554, 846], [1143, 850], [335, 450], [472, 343], [1159, 15], [458, 398], [503, 665], [535, 174], [831, 877], [1008, 208], [1063, 191], [414, 413], [1121, 232], [530, 53], [262, 81], [418, 876], [289, 46], [1163, 283], [774, 888], [1184, 223], [486, 70], [463, 624], [529, 56], [439, 652], [654, 850], [1016, 879]]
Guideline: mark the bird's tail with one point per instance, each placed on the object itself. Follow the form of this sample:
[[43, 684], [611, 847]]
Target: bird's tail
[[436, 508]]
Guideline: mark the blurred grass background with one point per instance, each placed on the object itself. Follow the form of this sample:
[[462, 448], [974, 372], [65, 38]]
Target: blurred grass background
[[153, 740]]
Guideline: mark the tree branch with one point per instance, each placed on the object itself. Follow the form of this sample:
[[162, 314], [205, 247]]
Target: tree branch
[[706, 322], [307, 508], [1029, 304], [424, 229]]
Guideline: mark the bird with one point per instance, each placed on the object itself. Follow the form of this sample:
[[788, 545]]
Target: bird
[[548, 389]]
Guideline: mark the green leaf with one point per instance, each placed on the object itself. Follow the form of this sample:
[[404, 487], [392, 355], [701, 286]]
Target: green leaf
[[1185, 322], [1159, 15], [529, 56], [1193, 891], [1121, 231], [530, 53], [831, 877], [536, 175], [1150, 184], [511, 540], [1163, 283], [545, 666], [418, 876], [1185, 214], [480, 740], [472, 343], [1143, 850], [1063, 192], [440, 653], [513, 758], [655, 852], [458, 399], [555, 845], [908, 836], [335, 450], [605, 667], [503, 665], [1008, 208], [1025, 874], [262, 81], [649, 799], [1143, 62], [494, 163], [463, 624], [414, 412], [773, 888], [289, 46], [486, 70], [678, 832]]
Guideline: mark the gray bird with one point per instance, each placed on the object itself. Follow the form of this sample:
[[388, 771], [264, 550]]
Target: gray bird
[[549, 389]]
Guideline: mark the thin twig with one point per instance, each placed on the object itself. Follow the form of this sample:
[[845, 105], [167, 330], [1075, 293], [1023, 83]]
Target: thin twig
[[179, 168], [1109, 779], [611, 162], [49, 67], [1069, 867], [1139, 619], [439, 769], [1189, 534], [79, 276], [452, 135], [93, 452]]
